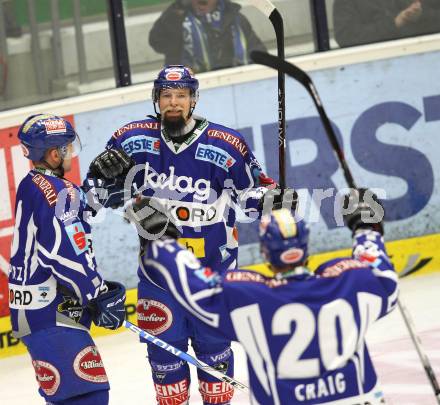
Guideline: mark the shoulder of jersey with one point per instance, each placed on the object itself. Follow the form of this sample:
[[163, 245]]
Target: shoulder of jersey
[[148, 126], [338, 266], [39, 188], [240, 276], [227, 139]]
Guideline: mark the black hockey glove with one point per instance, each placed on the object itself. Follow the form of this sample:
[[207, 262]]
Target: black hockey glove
[[108, 309], [276, 199], [151, 223], [110, 164], [362, 210]]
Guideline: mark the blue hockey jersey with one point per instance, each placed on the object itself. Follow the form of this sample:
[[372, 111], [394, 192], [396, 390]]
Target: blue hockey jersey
[[304, 334], [52, 271], [199, 183]]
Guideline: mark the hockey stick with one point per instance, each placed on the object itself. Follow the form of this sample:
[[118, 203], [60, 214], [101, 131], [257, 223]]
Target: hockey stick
[[299, 75], [273, 62], [270, 11], [420, 351], [185, 356]]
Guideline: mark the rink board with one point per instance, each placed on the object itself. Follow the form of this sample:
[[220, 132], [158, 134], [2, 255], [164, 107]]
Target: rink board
[[414, 256]]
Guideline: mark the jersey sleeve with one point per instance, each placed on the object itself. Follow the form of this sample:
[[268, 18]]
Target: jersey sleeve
[[65, 250], [197, 289], [249, 181], [369, 249]]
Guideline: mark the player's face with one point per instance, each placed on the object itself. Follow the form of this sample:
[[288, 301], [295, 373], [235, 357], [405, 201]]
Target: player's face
[[175, 104], [201, 7]]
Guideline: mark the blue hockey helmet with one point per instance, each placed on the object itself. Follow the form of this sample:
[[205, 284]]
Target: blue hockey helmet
[[175, 77], [41, 132], [284, 238]]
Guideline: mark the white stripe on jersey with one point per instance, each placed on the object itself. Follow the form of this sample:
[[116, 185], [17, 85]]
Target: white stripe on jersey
[[30, 237], [60, 259], [68, 280], [16, 237]]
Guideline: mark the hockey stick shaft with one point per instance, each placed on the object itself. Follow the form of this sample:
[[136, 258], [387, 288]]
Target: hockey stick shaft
[[270, 11], [296, 73], [185, 356], [302, 77], [418, 345]]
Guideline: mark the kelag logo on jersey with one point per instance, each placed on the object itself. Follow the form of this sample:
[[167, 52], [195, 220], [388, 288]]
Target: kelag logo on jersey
[[141, 143], [77, 237], [214, 155]]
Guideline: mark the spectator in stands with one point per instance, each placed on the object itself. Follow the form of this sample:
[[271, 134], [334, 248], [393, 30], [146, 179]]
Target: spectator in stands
[[204, 34], [12, 27], [358, 22]]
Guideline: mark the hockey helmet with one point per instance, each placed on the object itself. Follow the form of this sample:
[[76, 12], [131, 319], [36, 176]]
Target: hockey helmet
[[175, 77], [284, 238], [41, 132]]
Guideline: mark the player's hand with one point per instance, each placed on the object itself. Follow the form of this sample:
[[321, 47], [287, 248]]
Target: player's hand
[[362, 210], [277, 198], [108, 309], [103, 193], [150, 221], [110, 164]]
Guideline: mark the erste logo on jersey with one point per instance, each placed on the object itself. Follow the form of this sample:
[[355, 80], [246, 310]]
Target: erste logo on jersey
[[47, 375], [141, 143], [88, 365], [77, 237], [55, 126], [153, 316], [217, 156]]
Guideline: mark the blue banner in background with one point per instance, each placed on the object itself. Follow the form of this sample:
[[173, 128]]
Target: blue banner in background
[[386, 115]]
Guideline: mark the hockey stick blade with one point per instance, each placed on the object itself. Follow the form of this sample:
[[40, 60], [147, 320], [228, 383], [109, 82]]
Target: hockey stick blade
[[187, 357], [266, 59]]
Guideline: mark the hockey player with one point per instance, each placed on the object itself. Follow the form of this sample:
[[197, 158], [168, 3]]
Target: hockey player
[[198, 171], [55, 288], [304, 333]]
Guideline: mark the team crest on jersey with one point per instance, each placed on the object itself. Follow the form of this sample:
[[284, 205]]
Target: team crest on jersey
[[88, 365], [141, 143], [77, 237], [47, 375], [153, 316], [217, 156]]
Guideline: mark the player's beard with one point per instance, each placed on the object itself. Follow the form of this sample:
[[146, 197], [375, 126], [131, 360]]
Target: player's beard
[[173, 125]]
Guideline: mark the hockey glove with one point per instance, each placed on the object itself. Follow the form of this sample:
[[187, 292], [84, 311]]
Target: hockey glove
[[362, 210], [108, 309], [151, 223], [102, 193], [276, 199], [110, 164]]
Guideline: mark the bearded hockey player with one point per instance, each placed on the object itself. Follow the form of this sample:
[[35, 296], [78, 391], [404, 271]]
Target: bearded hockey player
[[55, 288], [198, 171], [304, 333]]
